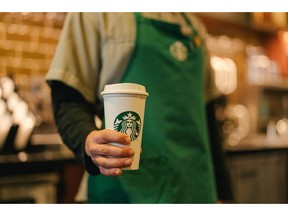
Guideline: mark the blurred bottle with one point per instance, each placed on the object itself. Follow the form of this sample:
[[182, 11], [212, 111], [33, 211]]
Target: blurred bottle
[[271, 130]]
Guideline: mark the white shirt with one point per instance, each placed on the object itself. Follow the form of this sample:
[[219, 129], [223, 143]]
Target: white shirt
[[94, 50]]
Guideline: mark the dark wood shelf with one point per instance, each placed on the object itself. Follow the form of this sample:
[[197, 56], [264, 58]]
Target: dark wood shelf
[[245, 24]]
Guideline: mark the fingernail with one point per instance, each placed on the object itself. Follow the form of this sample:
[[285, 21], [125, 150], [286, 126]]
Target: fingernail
[[118, 172], [127, 140], [131, 152], [127, 162]]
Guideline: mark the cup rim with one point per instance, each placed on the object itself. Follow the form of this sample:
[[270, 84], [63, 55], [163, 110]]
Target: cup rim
[[124, 88]]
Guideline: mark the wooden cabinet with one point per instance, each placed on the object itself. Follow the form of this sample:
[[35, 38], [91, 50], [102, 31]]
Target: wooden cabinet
[[51, 175], [259, 176], [29, 188]]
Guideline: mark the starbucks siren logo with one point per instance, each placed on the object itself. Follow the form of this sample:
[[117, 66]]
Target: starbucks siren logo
[[129, 123]]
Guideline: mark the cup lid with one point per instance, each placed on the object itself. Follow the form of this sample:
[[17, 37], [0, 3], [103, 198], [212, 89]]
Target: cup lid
[[125, 88]]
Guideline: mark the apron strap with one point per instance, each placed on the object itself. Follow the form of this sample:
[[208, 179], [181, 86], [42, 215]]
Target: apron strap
[[196, 39], [184, 15]]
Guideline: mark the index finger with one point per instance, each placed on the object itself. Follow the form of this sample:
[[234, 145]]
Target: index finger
[[108, 136]]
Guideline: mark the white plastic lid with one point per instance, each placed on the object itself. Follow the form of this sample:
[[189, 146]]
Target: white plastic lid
[[124, 88]]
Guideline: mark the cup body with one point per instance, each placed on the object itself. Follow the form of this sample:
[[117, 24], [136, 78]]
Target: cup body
[[124, 108]]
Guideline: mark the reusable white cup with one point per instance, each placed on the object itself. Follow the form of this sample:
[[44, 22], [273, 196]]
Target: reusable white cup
[[124, 107]]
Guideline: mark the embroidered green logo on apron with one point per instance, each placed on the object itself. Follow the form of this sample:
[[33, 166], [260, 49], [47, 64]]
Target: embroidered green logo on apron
[[129, 123], [179, 51]]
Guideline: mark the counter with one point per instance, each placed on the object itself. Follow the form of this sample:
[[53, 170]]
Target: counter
[[258, 142], [37, 157]]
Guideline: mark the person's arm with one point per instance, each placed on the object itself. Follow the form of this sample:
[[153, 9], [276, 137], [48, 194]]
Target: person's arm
[[74, 118], [74, 77]]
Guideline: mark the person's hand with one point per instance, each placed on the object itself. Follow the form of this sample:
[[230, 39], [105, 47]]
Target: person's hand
[[109, 159]]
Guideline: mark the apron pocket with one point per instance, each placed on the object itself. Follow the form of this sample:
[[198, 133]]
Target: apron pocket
[[152, 183]]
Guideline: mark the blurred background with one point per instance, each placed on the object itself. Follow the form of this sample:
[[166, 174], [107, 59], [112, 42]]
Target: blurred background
[[249, 53]]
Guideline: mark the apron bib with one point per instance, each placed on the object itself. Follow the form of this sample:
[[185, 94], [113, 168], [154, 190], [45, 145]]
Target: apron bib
[[175, 165]]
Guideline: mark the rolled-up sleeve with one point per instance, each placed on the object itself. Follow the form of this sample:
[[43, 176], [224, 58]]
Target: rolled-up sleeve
[[77, 59]]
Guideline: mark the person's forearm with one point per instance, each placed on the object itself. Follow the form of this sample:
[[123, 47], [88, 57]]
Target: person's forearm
[[74, 118]]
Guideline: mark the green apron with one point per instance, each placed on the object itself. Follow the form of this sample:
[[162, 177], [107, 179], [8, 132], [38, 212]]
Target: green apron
[[175, 165]]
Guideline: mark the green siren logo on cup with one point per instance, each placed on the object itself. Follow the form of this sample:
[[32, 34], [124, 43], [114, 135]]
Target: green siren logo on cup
[[129, 123]]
